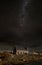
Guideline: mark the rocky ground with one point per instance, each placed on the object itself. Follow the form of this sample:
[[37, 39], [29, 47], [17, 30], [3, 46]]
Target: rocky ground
[[7, 58]]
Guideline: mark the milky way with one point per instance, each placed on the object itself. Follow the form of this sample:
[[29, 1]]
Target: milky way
[[23, 13]]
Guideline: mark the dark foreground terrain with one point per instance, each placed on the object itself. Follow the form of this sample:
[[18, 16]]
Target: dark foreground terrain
[[7, 58], [31, 63]]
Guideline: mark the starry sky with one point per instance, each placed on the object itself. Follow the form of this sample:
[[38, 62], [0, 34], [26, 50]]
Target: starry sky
[[21, 22]]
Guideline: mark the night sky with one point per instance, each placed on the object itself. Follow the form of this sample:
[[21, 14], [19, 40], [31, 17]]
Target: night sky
[[21, 22]]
